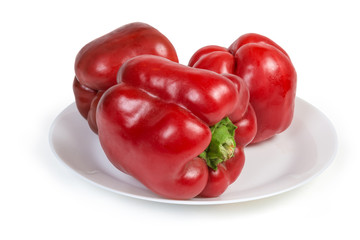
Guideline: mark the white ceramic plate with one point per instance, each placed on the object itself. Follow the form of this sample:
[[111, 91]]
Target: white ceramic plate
[[285, 162]]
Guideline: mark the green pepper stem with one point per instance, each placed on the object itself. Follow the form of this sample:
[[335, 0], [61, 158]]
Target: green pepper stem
[[222, 145]]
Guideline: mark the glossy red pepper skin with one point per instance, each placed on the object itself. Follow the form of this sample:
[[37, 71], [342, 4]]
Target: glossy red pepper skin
[[271, 78], [243, 100], [97, 63], [210, 96], [91, 116], [205, 51], [268, 72], [226, 174], [83, 97], [214, 58], [155, 122], [246, 127], [253, 38]]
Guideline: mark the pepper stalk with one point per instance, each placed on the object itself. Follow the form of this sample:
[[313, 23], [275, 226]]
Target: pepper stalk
[[222, 144]]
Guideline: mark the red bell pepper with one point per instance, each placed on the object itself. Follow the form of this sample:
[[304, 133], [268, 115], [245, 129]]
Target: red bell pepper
[[98, 62], [268, 73], [167, 125]]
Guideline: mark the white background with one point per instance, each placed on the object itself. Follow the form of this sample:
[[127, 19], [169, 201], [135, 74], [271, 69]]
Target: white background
[[42, 199]]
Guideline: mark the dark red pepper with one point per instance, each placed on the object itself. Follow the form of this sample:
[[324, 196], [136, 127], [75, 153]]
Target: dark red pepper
[[268, 72], [98, 62], [167, 125]]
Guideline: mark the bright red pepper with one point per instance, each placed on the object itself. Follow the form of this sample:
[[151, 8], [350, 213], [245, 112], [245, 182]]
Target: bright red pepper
[[98, 62], [246, 127], [268, 72], [167, 125]]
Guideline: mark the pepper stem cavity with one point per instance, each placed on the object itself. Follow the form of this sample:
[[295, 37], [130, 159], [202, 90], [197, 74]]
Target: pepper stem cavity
[[222, 145]]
